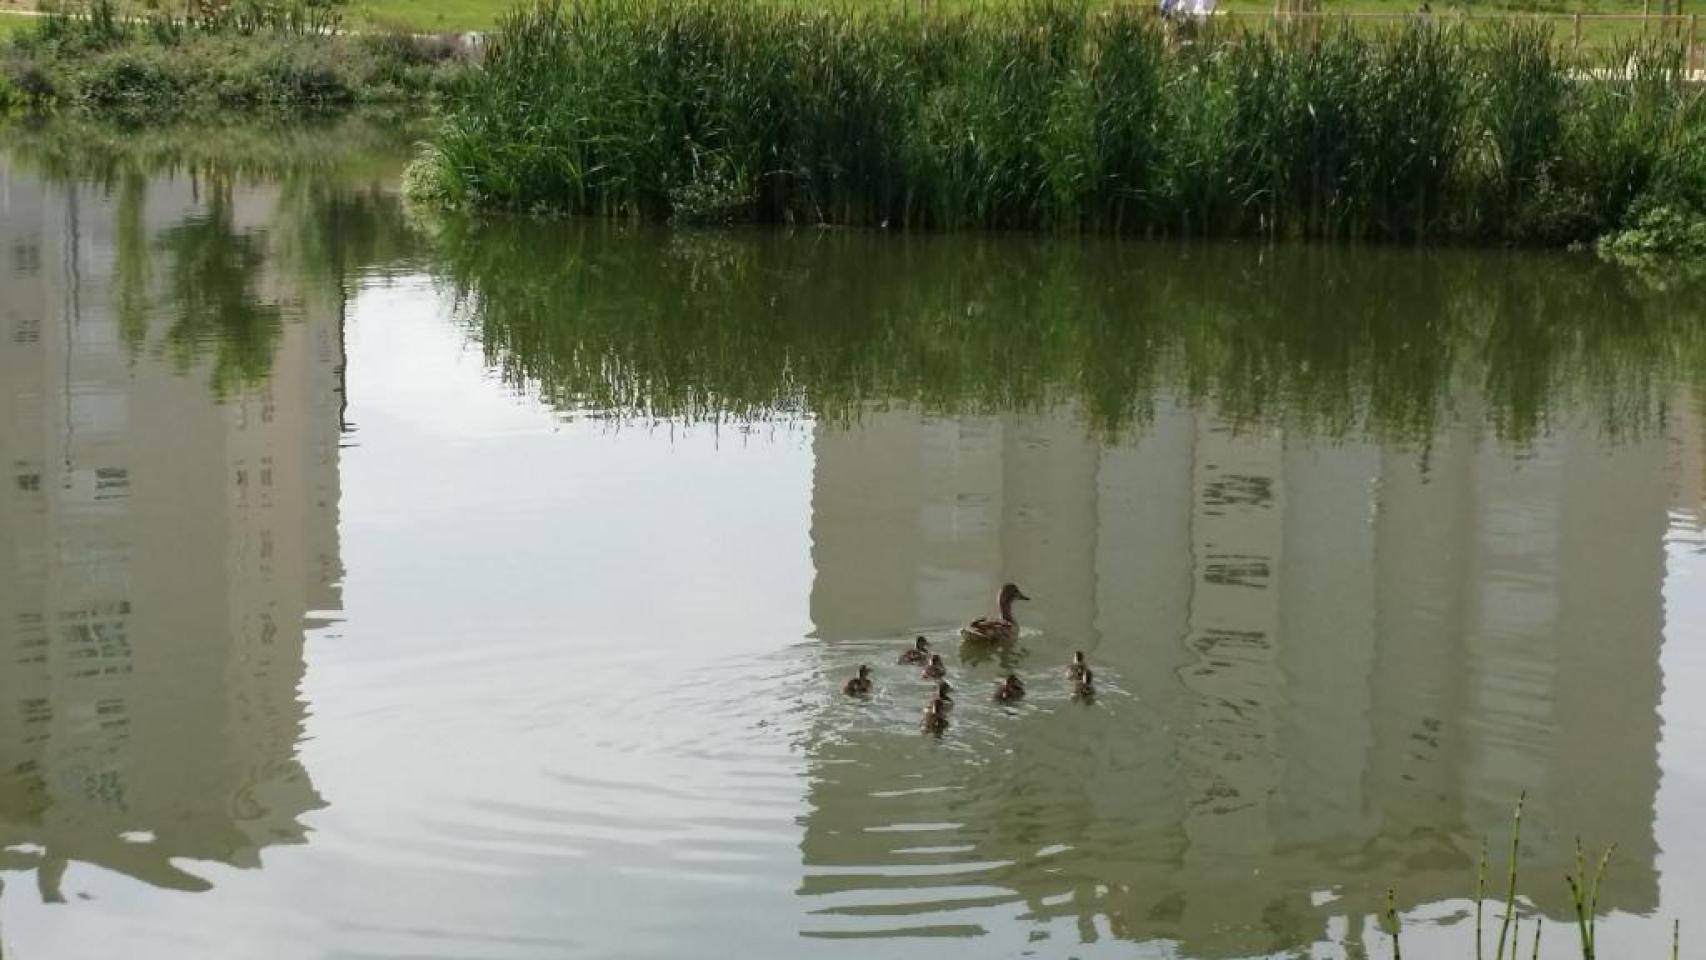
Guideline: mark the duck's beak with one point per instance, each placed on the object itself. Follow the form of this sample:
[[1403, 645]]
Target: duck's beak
[[1021, 596]]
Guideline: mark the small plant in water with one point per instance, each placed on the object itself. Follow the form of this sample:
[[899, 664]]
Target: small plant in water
[[1584, 898]]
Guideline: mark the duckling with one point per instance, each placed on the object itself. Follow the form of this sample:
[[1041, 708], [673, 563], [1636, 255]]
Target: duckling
[[918, 655], [936, 669], [860, 685], [1084, 684], [1009, 689], [1077, 668], [1001, 628], [944, 695], [935, 719]]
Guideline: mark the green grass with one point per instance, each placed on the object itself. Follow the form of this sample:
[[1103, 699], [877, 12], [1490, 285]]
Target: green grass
[[436, 16], [1043, 117], [441, 15], [282, 55], [448, 16], [12, 24], [429, 16]]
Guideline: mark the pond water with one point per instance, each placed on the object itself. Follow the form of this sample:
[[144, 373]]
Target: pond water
[[378, 586]]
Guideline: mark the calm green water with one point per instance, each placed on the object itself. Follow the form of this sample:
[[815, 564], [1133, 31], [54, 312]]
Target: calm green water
[[374, 587]]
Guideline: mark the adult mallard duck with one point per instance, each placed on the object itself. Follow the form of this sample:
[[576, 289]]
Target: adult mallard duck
[[935, 719], [1010, 689], [859, 685], [935, 669], [919, 654], [1001, 628]]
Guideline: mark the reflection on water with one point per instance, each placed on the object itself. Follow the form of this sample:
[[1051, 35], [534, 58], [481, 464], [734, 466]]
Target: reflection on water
[[1335, 341], [162, 550], [1362, 544], [1337, 662]]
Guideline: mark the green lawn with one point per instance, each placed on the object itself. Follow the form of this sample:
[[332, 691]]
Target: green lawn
[[434, 16], [458, 15], [429, 16], [11, 23]]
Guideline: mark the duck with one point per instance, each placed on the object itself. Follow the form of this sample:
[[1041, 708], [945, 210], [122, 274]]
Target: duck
[[919, 654], [859, 685], [935, 669], [944, 695], [935, 719], [1001, 628], [1077, 668], [1009, 689], [1084, 684]]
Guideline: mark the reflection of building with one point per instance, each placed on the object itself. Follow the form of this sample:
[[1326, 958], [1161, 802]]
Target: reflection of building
[[1689, 496], [1344, 661], [160, 550]]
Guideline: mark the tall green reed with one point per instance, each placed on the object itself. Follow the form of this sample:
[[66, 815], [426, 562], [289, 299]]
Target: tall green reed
[[1584, 899], [1049, 115]]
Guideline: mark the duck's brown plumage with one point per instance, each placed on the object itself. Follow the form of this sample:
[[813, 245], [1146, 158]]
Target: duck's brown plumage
[[1010, 689], [1084, 684], [935, 718], [1001, 628], [859, 684], [918, 655], [944, 695]]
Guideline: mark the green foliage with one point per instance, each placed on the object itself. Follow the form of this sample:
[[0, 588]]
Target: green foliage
[[197, 291], [745, 325], [282, 54], [1659, 231], [1044, 114], [363, 145], [212, 280]]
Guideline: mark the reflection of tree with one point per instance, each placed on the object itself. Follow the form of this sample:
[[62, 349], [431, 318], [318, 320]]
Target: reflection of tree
[[212, 288], [131, 266], [745, 325], [331, 230], [335, 218], [72, 149]]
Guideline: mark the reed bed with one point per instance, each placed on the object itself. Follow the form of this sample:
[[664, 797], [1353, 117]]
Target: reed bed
[[1045, 115]]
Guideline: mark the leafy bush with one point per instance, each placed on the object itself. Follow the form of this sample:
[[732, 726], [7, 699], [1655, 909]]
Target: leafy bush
[[221, 53], [1659, 230], [215, 58]]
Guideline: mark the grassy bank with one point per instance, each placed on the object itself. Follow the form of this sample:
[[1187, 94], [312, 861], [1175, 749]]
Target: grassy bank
[[1043, 116], [285, 54]]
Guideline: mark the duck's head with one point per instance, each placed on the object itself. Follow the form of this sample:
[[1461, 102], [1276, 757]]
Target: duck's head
[[1013, 680], [864, 672], [1078, 657], [936, 660], [944, 691], [921, 645], [1011, 592]]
